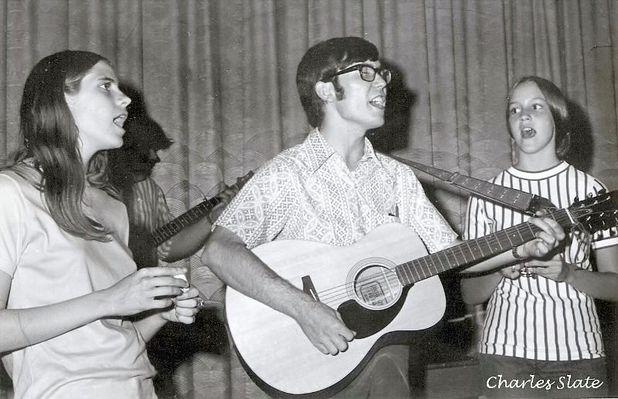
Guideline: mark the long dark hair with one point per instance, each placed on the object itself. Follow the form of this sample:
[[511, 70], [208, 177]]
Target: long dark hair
[[51, 140]]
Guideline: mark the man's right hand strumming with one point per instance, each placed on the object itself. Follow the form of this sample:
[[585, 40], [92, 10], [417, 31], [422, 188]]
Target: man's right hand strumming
[[324, 327]]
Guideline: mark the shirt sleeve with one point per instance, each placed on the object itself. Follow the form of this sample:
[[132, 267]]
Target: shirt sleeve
[[12, 224], [603, 238], [258, 213], [164, 216], [420, 214]]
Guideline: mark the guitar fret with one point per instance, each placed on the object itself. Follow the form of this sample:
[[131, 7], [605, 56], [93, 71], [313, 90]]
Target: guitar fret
[[486, 244], [521, 238], [409, 272], [416, 274], [176, 223], [427, 260], [443, 257], [420, 270], [404, 273], [451, 252], [473, 250], [437, 256], [191, 216], [401, 274], [171, 228], [462, 253], [429, 264], [435, 267]]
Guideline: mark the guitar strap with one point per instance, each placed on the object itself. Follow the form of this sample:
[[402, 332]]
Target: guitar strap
[[510, 197]]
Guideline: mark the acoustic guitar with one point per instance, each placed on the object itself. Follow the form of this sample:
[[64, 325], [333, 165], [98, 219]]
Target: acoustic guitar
[[384, 286]]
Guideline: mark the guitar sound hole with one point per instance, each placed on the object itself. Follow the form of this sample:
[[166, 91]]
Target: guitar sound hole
[[376, 287]]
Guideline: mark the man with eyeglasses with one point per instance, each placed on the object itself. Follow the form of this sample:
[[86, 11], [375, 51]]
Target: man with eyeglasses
[[334, 189]]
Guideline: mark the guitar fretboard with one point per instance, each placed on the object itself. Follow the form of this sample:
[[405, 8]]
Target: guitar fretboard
[[194, 214], [169, 230], [473, 250]]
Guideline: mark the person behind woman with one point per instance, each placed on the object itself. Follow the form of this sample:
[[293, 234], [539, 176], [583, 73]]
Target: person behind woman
[[543, 324], [131, 167], [74, 312]]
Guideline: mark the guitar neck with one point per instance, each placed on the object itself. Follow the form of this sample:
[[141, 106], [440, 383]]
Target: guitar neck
[[194, 214], [472, 251], [173, 227]]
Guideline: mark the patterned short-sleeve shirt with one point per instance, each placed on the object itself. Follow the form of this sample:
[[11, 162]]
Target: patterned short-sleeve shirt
[[308, 193]]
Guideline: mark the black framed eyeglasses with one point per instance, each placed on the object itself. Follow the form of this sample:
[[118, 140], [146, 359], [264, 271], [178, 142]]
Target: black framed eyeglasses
[[367, 72]]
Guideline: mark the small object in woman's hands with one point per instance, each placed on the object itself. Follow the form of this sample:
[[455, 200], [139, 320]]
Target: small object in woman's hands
[[201, 303], [183, 276]]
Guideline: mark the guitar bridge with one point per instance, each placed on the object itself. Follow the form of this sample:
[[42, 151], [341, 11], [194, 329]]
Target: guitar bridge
[[309, 288]]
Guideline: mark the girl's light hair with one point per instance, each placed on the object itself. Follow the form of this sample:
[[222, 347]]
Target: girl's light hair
[[558, 106]]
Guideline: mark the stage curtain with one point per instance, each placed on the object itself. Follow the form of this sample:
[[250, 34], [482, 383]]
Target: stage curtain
[[219, 76]]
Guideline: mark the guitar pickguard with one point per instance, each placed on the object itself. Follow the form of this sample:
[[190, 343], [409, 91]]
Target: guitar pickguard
[[376, 296], [367, 322]]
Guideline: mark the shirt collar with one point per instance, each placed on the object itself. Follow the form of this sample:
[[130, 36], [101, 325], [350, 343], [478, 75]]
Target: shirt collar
[[541, 174], [321, 151]]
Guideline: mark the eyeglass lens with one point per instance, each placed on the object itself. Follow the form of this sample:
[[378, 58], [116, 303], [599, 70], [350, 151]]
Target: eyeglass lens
[[368, 73]]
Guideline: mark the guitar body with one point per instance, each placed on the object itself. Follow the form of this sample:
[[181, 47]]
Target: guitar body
[[357, 280]]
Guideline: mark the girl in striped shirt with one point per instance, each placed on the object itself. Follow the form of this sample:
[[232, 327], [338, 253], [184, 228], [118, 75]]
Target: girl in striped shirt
[[541, 335]]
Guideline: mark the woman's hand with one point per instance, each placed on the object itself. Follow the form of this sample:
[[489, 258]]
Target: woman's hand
[[146, 289], [548, 238], [185, 307], [513, 272], [555, 269]]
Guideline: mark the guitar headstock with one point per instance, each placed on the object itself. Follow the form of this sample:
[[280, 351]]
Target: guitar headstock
[[597, 213]]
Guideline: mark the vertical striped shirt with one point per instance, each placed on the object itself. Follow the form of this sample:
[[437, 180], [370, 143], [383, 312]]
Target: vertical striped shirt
[[539, 318]]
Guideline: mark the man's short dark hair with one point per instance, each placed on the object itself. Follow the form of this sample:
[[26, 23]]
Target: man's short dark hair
[[145, 132], [321, 62]]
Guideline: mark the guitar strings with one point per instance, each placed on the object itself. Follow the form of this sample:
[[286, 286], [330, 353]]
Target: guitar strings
[[338, 294]]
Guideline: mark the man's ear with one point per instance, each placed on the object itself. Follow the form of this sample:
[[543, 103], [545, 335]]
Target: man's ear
[[326, 91]]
